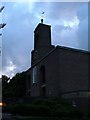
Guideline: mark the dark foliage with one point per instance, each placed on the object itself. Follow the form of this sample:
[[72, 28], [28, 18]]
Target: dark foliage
[[16, 87], [47, 107], [5, 80], [31, 110]]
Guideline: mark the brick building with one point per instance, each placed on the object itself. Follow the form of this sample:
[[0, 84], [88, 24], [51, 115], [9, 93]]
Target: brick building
[[56, 71]]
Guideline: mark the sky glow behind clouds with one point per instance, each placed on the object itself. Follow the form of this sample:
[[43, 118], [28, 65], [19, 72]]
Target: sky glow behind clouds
[[69, 24]]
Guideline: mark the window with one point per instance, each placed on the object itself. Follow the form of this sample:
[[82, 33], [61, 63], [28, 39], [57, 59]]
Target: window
[[34, 75], [42, 74], [36, 40], [29, 81]]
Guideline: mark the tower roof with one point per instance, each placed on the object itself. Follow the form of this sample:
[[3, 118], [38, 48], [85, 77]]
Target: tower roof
[[40, 25]]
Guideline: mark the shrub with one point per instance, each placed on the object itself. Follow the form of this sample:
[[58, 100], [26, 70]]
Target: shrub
[[31, 110], [76, 113], [68, 112], [47, 107], [88, 114], [59, 108]]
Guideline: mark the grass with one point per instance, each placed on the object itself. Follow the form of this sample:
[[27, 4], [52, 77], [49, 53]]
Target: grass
[[37, 118], [45, 118]]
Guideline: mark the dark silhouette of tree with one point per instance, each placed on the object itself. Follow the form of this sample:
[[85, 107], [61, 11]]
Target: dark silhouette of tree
[[5, 80], [16, 87]]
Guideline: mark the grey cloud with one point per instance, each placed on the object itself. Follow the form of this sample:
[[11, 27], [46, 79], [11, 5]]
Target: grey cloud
[[82, 32], [82, 11], [64, 10], [21, 21], [67, 11], [18, 38]]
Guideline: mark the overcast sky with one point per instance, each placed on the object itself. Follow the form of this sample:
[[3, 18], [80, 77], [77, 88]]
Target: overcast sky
[[69, 24]]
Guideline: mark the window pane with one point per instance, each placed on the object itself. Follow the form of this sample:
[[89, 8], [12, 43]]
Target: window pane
[[35, 74]]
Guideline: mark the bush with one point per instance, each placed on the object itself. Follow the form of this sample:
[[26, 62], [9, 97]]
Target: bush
[[88, 114], [47, 107], [31, 110], [76, 113], [47, 103], [59, 108], [68, 112]]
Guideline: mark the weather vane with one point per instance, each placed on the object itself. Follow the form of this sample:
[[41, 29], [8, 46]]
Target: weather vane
[[42, 17]]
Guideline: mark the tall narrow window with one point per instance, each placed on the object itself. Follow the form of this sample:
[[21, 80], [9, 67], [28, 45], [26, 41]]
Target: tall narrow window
[[36, 40], [42, 81], [42, 74], [34, 75], [29, 81]]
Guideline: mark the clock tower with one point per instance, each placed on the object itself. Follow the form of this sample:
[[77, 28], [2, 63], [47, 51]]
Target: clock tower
[[42, 42]]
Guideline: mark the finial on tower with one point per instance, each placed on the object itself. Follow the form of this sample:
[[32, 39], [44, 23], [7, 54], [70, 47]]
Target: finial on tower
[[42, 21], [42, 17]]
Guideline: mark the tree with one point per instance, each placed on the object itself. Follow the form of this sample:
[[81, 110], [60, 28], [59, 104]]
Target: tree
[[2, 24], [5, 80], [16, 87]]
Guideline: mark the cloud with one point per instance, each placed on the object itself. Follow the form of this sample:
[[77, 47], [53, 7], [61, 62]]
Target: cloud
[[66, 19], [82, 32], [10, 69], [70, 27], [63, 10], [18, 37], [21, 19]]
